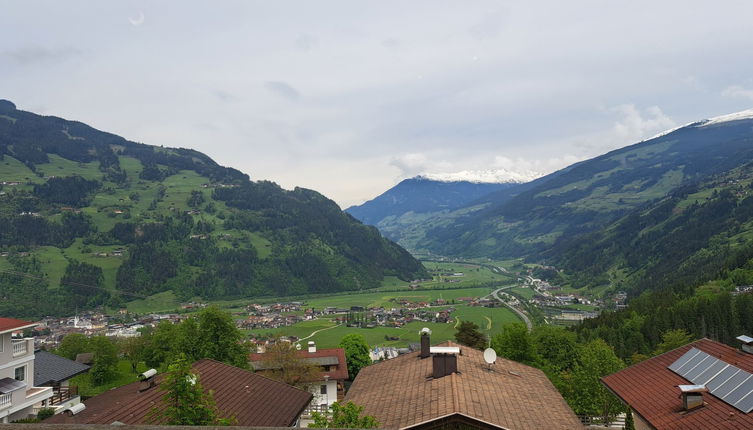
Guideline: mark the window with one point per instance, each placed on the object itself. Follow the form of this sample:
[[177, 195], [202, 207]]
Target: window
[[327, 368], [20, 373], [323, 389]]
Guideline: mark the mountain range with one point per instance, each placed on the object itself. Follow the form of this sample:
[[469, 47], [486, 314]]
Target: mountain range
[[88, 218], [670, 208]]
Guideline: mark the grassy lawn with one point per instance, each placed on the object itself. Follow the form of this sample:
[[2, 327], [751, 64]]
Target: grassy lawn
[[14, 170], [60, 166], [525, 292], [124, 376], [160, 302], [490, 320]]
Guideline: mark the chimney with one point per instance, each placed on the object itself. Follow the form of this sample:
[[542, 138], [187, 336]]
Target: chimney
[[312, 346], [425, 344], [444, 360], [692, 396], [747, 345]]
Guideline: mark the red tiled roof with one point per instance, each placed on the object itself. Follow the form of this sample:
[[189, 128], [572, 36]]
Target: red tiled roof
[[337, 372], [252, 399], [650, 388], [11, 324], [401, 393]]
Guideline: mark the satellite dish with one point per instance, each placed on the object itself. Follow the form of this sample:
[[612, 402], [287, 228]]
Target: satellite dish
[[298, 346], [490, 355]]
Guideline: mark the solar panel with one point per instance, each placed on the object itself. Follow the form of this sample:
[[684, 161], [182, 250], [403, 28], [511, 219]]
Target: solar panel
[[746, 403], [684, 359], [707, 375], [692, 363], [701, 367], [731, 384], [738, 393], [722, 377]]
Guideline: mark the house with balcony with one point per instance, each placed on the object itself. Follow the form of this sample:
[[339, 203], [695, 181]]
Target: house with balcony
[[329, 387], [54, 371], [18, 395]]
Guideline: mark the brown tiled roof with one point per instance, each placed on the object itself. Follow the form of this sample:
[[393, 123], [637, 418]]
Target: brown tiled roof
[[650, 388], [11, 324], [337, 372], [252, 399], [401, 393]]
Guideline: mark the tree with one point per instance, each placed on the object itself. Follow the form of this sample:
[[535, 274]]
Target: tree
[[357, 353], [469, 334], [134, 350], [587, 396], [344, 416], [514, 343], [220, 339], [186, 402], [105, 365], [556, 347], [72, 345], [283, 363], [672, 339]]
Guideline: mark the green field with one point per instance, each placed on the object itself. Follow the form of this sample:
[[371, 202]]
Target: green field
[[124, 376]]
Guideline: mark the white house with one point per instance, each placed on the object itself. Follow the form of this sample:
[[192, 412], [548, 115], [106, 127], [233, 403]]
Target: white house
[[18, 395], [330, 386]]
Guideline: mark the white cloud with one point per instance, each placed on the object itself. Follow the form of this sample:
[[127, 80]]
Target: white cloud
[[274, 93], [738, 91]]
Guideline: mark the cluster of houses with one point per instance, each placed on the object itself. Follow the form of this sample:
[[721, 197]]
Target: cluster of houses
[[704, 384], [50, 331]]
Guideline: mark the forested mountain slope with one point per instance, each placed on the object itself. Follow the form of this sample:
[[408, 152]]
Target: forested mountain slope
[[88, 218], [590, 195], [414, 200]]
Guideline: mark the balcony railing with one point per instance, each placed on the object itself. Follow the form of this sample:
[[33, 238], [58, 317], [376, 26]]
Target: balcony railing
[[5, 400], [62, 395], [20, 347], [322, 409]]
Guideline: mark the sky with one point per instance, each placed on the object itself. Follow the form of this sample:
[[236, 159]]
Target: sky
[[350, 97]]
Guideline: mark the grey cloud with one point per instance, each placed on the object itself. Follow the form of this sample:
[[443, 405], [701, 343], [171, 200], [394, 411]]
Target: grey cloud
[[305, 42], [283, 89], [29, 55]]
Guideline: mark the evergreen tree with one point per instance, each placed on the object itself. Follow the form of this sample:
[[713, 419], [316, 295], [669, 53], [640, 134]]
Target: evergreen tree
[[468, 334]]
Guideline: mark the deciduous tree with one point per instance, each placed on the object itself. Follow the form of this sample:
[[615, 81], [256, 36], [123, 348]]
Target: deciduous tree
[[356, 353], [344, 416]]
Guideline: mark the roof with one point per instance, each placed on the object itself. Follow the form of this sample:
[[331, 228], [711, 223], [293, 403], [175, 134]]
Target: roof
[[400, 393], [9, 385], [53, 369], [651, 390], [12, 324], [328, 356], [252, 399]]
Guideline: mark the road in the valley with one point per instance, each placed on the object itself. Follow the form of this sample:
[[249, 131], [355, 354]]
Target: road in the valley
[[317, 331], [520, 313]]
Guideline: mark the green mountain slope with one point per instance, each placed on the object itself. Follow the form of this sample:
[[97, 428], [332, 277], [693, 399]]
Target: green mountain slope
[[591, 195], [88, 218]]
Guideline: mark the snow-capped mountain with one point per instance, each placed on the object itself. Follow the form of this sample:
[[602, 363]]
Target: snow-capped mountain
[[491, 176]]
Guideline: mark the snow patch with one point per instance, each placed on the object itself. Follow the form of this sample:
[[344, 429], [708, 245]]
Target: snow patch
[[746, 114], [496, 176]]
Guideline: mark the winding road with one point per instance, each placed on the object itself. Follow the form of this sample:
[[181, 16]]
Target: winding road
[[520, 313], [313, 333]]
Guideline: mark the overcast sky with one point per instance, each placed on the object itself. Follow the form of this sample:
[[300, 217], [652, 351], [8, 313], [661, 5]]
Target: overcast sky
[[348, 97]]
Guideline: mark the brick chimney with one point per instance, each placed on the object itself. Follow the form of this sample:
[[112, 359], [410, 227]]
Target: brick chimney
[[312, 346], [444, 360], [425, 343]]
